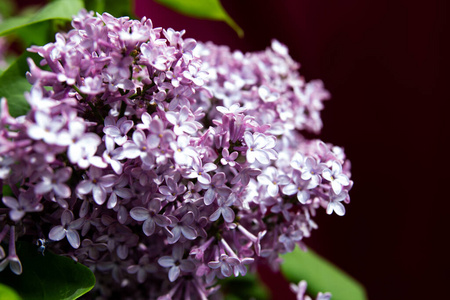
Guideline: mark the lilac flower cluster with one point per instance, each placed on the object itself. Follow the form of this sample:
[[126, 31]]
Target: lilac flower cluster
[[164, 164]]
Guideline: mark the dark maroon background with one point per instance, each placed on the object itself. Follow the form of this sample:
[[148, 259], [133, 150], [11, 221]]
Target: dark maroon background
[[383, 62]]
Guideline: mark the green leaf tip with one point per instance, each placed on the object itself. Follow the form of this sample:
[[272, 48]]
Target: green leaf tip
[[55, 10], [48, 276], [203, 9], [321, 275], [7, 293]]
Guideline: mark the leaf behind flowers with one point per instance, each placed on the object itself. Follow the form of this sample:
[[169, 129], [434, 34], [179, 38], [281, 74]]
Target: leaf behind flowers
[[7, 293], [13, 84], [321, 275], [48, 276], [203, 9]]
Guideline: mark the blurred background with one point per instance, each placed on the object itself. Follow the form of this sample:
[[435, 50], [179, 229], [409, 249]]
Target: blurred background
[[385, 64]]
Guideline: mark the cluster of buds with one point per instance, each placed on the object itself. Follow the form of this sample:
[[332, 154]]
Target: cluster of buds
[[164, 164]]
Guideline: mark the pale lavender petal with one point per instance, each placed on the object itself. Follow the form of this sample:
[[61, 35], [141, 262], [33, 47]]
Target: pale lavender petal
[[251, 156], [209, 197], [153, 141], [85, 187], [62, 190], [189, 232], [111, 130], [162, 221], [16, 215], [264, 179], [188, 218], [99, 194], [214, 264], [262, 157], [139, 137], [10, 202], [15, 265], [176, 232], [343, 179], [174, 272], [205, 178], [290, 189], [139, 213], [130, 150], [149, 227], [166, 261], [327, 175], [215, 215], [339, 209], [112, 201], [303, 196], [225, 269], [272, 190], [108, 180], [165, 190], [208, 167], [171, 117], [73, 238], [42, 187], [337, 187], [154, 205], [228, 214], [57, 233]]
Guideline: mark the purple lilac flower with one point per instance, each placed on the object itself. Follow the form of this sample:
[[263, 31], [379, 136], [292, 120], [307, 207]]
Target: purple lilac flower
[[26, 202], [97, 184], [68, 228], [165, 163], [224, 209], [54, 182], [259, 147], [150, 217], [176, 263], [336, 177]]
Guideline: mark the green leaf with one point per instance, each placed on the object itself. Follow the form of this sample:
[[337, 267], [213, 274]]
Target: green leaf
[[244, 288], [7, 293], [7, 191], [38, 34], [56, 10], [203, 9], [321, 275], [13, 84], [113, 7], [48, 276], [7, 7]]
